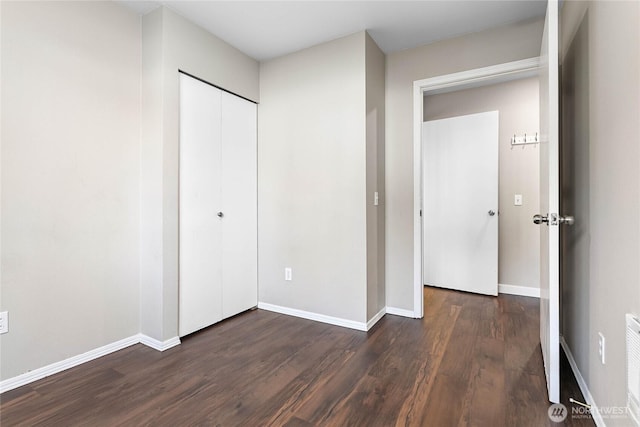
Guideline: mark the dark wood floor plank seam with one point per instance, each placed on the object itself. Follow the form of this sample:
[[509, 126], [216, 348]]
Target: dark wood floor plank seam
[[411, 411]]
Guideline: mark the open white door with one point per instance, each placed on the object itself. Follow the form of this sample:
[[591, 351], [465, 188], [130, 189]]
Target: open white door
[[548, 217]]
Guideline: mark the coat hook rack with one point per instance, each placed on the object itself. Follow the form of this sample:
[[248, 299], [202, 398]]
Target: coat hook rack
[[524, 140]]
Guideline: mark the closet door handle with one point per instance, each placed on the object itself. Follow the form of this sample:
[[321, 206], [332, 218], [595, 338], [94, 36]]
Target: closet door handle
[[220, 214]]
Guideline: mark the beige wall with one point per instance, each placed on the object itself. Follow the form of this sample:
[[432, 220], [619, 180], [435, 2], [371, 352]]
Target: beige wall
[[517, 103], [171, 43], [312, 180], [496, 46], [375, 64], [89, 210], [70, 167], [614, 193]]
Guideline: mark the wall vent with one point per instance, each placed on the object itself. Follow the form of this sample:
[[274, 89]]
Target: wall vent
[[633, 367]]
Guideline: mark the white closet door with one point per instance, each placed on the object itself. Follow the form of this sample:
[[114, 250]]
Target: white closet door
[[239, 198], [200, 201]]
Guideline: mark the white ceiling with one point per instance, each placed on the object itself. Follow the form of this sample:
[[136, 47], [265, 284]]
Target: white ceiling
[[268, 29]]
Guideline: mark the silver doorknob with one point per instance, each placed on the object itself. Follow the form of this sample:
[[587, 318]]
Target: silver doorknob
[[491, 213], [539, 219], [567, 219], [220, 214]]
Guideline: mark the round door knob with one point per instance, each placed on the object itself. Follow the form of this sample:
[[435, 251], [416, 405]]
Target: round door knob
[[567, 219], [540, 219], [220, 214], [492, 213]]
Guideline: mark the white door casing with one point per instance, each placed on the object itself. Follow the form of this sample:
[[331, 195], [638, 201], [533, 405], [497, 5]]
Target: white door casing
[[460, 203], [441, 84], [549, 202]]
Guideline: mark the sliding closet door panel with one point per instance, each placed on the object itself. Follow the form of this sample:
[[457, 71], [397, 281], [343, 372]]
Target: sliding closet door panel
[[200, 201], [239, 198]]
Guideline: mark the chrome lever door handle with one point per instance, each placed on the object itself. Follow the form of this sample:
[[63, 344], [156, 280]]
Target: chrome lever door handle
[[491, 212], [539, 219]]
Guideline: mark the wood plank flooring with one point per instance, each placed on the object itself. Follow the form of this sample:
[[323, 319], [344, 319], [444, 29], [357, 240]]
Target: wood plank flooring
[[472, 361]]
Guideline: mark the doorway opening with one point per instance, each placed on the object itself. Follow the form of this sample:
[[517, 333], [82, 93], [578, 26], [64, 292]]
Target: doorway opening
[[443, 90]]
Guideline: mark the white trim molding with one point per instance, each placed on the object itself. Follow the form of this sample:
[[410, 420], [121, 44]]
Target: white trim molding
[[523, 291], [597, 417], [400, 312], [345, 323], [63, 365], [54, 368], [159, 345], [441, 84], [480, 76], [379, 315]]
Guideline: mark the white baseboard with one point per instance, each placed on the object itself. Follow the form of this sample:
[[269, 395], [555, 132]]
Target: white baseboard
[[360, 326], [597, 417], [400, 312], [54, 368], [159, 345], [523, 291], [379, 315]]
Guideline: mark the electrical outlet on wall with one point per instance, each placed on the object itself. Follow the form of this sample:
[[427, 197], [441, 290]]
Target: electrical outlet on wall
[[4, 322], [287, 274], [601, 347]]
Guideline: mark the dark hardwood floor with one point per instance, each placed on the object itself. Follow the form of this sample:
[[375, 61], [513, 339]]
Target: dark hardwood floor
[[472, 361]]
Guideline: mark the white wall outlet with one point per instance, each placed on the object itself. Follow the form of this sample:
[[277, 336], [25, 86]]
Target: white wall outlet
[[601, 347], [376, 200], [4, 322], [517, 200], [287, 273]]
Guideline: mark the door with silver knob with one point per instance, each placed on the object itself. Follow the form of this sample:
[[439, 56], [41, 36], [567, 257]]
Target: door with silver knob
[[549, 202], [200, 283], [460, 203], [218, 205]]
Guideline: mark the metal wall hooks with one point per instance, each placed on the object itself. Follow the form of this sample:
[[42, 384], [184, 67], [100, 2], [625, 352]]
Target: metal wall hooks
[[524, 140]]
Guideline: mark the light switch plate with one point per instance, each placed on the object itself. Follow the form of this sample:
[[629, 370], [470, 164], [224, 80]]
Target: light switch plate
[[601, 347], [517, 200]]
